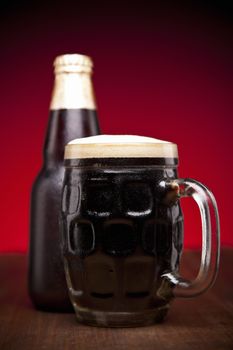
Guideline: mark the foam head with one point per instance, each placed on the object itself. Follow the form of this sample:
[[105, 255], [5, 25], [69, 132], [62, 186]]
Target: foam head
[[120, 146]]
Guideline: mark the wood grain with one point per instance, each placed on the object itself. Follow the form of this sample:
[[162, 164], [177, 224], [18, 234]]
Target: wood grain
[[205, 322]]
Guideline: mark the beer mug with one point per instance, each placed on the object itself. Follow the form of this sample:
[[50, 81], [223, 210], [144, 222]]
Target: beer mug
[[122, 230]]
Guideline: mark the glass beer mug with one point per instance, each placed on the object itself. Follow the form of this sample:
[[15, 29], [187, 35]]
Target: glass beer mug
[[122, 230]]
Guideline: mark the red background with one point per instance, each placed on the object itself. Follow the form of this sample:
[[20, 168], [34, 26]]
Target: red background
[[164, 72]]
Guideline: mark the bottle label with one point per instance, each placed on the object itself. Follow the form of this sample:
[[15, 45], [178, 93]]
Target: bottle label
[[73, 91]]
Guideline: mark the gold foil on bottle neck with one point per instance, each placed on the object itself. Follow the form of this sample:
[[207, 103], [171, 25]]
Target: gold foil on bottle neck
[[73, 85]]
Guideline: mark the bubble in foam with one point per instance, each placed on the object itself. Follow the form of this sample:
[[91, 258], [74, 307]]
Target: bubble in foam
[[120, 146]]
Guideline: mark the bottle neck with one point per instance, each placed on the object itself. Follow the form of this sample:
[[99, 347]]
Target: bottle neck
[[72, 114], [73, 90]]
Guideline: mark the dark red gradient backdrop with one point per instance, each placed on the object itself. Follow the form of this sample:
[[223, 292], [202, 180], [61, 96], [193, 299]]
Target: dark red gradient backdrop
[[164, 72]]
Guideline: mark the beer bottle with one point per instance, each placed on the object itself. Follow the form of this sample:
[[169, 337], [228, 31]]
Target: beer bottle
[[72, 115]]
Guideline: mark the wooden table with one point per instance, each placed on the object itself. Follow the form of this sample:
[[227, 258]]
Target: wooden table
[[204, 323]]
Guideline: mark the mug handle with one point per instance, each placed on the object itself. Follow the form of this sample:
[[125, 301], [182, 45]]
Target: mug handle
[[210, 254]]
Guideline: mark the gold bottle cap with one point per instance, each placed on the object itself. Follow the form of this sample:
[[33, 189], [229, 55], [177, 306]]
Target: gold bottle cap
[[73, 86], [73, 63]]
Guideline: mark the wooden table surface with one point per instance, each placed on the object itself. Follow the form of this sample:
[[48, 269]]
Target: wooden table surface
[[205, 322]]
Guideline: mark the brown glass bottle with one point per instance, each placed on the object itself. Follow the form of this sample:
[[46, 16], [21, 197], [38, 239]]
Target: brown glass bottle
[[72, 115]]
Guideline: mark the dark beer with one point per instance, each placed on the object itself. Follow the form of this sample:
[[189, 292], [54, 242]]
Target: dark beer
[[72, 115], [122, 229]]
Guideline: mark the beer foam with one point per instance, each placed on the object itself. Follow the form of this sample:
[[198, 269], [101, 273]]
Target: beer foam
[[120, 146]]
